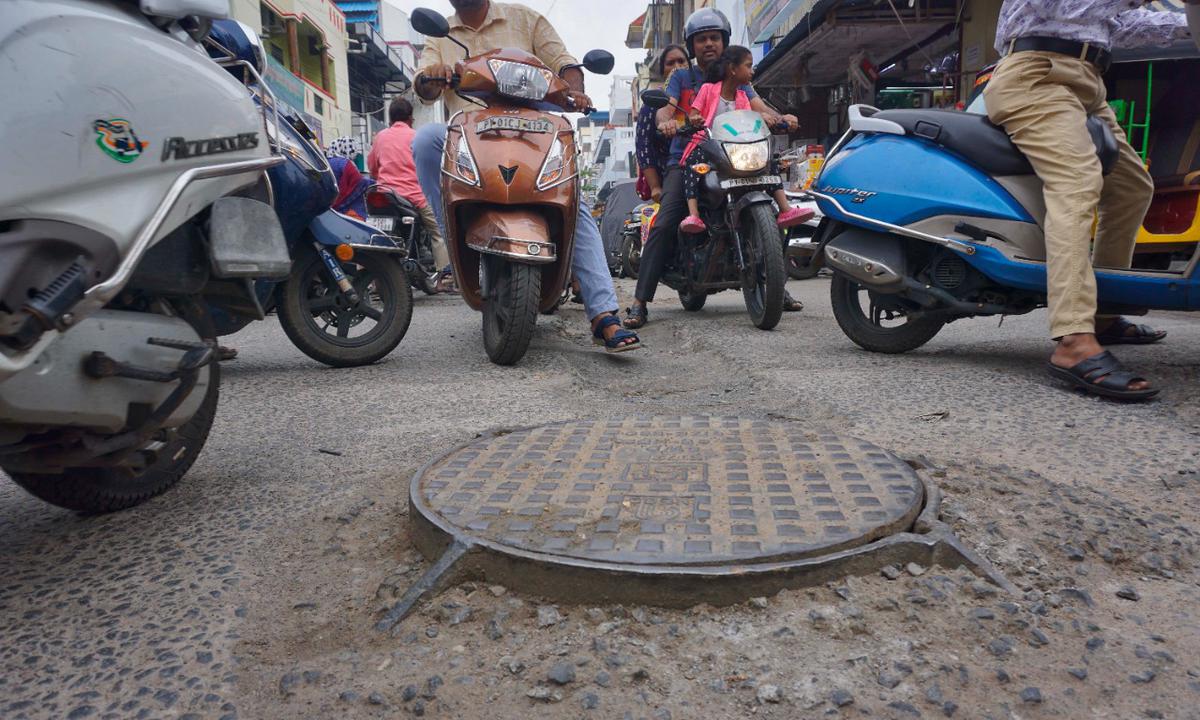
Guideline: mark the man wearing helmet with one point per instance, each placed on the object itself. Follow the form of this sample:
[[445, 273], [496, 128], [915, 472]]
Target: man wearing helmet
[[707, 33]]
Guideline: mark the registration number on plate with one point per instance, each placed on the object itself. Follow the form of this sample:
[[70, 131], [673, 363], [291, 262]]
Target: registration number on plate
[[383, 224], [500, 122], [750, 181]]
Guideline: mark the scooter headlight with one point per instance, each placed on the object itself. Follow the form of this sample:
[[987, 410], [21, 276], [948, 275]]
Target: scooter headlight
[[521, 81], [555, 169], [462, 163], [748, 157]]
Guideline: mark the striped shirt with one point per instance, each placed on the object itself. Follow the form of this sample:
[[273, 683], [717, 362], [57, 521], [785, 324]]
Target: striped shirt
[[507, 26], [1106, 23]]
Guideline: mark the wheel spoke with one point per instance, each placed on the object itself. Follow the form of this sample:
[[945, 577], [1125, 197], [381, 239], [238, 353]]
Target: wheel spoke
[[371, 311], [344, 321]]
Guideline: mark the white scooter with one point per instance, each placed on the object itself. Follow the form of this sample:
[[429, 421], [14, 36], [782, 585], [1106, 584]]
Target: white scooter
[[133, 193]]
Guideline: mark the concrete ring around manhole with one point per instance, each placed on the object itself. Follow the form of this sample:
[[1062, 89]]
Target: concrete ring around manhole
[[671, 511]]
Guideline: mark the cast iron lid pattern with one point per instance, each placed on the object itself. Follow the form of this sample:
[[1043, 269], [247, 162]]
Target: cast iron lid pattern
[[671, 491]]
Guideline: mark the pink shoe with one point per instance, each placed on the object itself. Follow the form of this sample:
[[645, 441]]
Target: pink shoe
[[693, 225], [794, 216]]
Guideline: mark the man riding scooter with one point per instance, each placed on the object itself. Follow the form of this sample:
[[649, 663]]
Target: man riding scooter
[[707, 34], [482, 25], [1049, 82]]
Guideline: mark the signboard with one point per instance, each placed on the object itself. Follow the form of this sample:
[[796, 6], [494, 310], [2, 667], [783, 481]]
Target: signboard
[[287, 87], [764, 16]]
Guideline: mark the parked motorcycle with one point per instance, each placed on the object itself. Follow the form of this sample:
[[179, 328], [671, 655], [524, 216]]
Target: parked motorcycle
[[400, 220], [116, 236], [799, 250], [346, 300], [633, 237], [743, 246], [510, 188], [907, 260]]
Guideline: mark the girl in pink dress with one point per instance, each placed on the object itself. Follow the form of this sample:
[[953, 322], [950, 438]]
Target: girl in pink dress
[[720, 95]]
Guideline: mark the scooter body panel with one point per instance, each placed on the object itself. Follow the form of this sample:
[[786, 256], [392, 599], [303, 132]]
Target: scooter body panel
[[901, 181]]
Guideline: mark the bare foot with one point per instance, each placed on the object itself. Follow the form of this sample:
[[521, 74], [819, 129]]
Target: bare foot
[[1074, 349]]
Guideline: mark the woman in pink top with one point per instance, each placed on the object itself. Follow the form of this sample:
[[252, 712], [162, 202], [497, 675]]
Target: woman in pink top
[[720, 95]]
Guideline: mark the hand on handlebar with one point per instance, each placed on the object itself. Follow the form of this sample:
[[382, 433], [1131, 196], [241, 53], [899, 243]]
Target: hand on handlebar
[[668, 129], [581, 101]]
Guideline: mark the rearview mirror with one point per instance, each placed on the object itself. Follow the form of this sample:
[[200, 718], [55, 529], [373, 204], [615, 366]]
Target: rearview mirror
[[430, 23], [599, 62], [656, 99]]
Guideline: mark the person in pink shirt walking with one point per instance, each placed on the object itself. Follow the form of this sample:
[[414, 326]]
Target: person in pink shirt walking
[[390, 162]]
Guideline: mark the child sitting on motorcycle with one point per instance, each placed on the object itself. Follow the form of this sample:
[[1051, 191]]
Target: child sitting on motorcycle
[[721, 94]]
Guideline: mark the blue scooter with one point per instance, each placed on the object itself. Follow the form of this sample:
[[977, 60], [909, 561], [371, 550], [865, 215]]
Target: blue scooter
[[932, 216], [347, 301]]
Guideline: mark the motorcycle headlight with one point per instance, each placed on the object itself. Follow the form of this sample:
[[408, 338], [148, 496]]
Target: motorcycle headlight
[[748, 157], [519, 80], [462, 163], [554, 170]]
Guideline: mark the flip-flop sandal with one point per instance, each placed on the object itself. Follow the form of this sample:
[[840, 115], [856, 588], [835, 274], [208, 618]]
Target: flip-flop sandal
[[1118, 334], [636, 316], [1105, 376], [617, 343], [791, 304]]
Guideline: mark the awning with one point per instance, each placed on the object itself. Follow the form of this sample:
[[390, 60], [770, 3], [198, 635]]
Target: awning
[[636, 32], [816, 52]]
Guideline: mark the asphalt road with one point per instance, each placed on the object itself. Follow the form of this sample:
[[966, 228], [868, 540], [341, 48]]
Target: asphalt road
[[265, 564]]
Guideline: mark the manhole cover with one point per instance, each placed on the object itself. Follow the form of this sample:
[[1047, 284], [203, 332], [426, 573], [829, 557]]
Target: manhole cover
[[682, 491]]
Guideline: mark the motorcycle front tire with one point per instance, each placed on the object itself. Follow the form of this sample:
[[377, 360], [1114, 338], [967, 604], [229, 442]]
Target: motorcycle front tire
[[96, 490], [763, 289]]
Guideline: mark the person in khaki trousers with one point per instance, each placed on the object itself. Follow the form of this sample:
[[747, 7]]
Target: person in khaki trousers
[[1048, 83]]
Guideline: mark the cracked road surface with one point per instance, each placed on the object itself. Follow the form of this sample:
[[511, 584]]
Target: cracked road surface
[[249, 591]]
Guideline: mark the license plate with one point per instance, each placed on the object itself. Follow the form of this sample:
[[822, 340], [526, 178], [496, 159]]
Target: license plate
[[750, 181], [500, 122], [383, 224]]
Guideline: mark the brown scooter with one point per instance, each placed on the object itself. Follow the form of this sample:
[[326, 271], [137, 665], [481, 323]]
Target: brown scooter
[[510, 188]]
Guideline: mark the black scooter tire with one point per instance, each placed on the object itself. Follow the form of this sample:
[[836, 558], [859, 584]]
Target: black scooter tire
[[510, 313], [843, 296], [299, 325], [631, 255]]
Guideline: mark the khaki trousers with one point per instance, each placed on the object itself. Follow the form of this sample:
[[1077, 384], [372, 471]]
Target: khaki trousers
[[1042, 100], [441, 256]]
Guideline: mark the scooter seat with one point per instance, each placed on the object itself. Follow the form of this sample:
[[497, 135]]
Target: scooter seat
[[390, 198], [985, 145]]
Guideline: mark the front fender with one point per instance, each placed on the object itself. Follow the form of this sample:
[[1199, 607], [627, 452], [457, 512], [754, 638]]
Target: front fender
[[754, 197], [331, 228]]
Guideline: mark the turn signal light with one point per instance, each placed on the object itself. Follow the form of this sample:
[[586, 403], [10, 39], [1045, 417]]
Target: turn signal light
[[701, 168], [344, 252]]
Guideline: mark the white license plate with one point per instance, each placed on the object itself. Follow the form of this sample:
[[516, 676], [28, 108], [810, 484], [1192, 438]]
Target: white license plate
[[749, 181], [383, 224]]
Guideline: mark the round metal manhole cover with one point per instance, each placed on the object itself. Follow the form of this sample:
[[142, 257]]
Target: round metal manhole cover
[[670, 491]]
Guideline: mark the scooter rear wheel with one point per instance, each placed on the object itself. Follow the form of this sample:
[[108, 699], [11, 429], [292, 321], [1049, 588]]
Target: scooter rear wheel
[[868, 329], [511, 308], [631, 255]]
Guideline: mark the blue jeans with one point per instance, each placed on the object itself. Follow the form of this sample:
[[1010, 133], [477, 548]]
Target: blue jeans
[[588, 263]]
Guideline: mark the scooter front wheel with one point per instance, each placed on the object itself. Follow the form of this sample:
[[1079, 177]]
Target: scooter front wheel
[[884, 325], [510, 310], [325, 326]]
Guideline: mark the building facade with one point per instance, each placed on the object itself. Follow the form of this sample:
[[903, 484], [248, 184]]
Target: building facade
[[306, 43]]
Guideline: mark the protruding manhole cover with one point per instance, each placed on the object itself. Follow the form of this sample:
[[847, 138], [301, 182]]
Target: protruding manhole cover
[[670, 491], [671, 511]]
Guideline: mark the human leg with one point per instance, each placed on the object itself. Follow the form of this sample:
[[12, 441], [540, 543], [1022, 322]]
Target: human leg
[[661, 244], [595, 284], [1042, 101], [441, 256], [428, 143]]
